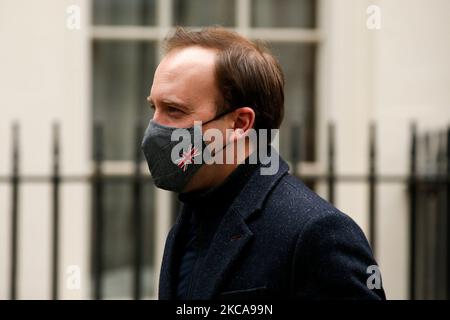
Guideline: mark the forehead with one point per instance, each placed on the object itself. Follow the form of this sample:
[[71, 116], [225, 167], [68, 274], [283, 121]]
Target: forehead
[[186, 74]]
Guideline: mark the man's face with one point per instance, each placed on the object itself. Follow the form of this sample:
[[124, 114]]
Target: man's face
[[184, 88]]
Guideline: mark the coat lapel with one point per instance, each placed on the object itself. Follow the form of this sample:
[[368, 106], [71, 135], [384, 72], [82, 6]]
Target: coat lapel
[[234, 234]]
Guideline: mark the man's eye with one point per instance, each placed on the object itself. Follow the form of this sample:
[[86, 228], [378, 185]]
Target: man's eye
[[174, 110]]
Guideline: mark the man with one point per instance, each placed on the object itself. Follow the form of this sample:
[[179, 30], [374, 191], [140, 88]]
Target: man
[[242, 234]]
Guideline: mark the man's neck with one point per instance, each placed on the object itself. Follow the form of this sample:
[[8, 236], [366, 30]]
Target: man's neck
[[212, 175]]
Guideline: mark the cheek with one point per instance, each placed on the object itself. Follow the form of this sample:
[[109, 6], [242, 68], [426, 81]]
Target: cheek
[[212, 134], [205, 113]]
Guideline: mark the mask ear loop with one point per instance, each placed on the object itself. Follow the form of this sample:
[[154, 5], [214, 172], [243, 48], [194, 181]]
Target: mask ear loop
[[219, 116], [215, 118]]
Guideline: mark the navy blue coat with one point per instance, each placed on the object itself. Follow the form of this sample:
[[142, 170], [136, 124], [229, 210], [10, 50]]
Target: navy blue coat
[[279, 239]]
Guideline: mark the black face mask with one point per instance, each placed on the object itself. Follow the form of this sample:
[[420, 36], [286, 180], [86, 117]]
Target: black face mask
[[169, 172]]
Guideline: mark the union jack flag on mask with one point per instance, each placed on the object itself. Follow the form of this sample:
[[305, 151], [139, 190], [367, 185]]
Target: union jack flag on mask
[[187, 157]]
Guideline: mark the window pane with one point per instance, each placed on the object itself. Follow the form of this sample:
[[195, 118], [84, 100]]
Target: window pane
[[298, 63], [121, 12], [204, 12], [284, 13], [122, 76]]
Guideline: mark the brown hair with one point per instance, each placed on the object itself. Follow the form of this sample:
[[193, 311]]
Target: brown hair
[[246, 72]]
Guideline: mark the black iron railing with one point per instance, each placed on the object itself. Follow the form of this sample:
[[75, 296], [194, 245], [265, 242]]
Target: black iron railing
[[428, 185]]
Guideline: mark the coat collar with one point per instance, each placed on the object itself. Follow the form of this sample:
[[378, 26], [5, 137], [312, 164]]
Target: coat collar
[[231, 237]]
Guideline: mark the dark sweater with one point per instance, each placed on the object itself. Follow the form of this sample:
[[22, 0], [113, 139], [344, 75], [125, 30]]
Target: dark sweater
[[206, 210]]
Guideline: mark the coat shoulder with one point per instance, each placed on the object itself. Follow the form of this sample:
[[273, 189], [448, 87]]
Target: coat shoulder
[[330, 253], [293, 202]]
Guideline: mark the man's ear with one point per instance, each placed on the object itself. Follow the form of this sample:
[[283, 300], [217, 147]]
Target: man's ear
[[244, 119]]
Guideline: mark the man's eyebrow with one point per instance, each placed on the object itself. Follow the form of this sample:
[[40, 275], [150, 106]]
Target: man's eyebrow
[[170, 102]]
